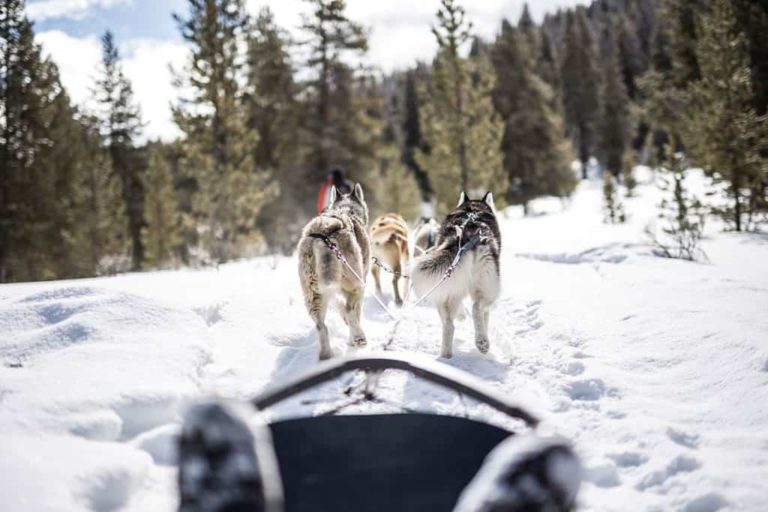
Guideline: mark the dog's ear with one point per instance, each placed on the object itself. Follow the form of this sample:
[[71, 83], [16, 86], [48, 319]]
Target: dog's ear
[[488, 199], [463, 198], [359, 193], [334, 194]]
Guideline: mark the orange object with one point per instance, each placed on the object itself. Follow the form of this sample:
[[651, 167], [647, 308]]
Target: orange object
[[325, 194]]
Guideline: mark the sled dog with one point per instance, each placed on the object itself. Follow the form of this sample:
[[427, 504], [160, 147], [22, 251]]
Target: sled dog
[[389, 245], [343, 224], [425, 234], [472, 228]]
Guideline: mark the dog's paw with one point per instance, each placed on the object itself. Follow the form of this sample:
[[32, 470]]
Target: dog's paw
[[358, 341], [399, 303], [325, 355], [482, 345], [446, 354]]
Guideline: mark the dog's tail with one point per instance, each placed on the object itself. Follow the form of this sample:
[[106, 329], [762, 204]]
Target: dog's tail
[[430, 267], [327, 267]]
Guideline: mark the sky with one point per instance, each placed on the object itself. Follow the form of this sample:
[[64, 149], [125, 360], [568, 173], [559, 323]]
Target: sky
[[149, 41]]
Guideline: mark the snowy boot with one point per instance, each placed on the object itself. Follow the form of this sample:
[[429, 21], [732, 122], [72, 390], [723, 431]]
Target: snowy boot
[[218, 467], [524, 474]]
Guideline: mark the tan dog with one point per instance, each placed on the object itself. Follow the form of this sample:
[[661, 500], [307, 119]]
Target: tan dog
[[389, 244], [321, 273]]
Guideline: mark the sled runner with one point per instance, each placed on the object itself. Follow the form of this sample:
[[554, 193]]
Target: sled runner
[[412, 461]]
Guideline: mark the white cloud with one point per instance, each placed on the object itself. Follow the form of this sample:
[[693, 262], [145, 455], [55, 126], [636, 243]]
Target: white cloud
[[45, 9], [398, 29], [145, 63], [76, 59], [147, 68]]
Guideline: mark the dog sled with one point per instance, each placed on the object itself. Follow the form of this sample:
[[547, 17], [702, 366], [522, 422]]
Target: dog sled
[[231, 459]]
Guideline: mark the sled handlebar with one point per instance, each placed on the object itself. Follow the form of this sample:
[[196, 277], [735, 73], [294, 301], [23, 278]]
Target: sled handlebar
[[428, 370]]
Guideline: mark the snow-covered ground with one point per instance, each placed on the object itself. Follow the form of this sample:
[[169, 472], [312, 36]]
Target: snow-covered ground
[[656, 368]]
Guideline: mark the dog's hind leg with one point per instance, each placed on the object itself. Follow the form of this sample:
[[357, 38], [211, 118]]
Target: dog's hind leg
[[375, 271], [395, 287], [480, 317], [447, 310], [406, 267], [353, 310], [317, 310]]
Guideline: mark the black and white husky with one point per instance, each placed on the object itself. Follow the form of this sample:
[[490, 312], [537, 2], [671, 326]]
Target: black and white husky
[[472, 229]]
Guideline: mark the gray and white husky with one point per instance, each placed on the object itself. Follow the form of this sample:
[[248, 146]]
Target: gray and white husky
[[471, 225], [344, 223]]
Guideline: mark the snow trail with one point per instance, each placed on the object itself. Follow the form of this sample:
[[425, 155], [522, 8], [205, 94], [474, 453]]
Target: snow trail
[[656, 368]]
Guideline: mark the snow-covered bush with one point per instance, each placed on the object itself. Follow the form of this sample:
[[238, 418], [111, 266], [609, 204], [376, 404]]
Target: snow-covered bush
[[682, 216]]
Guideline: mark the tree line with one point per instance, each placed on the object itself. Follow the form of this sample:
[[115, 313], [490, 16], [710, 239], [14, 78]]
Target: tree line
[[265, 116]]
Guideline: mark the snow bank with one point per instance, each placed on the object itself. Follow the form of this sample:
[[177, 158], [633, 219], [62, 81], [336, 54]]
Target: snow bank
[[85, 369]]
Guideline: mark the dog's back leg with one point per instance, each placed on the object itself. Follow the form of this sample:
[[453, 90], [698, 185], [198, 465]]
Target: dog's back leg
[[448, 309], [484, 293], [395, 280], [375, 271], [406, 267], [353, 309], [318, 306], [480, 317]]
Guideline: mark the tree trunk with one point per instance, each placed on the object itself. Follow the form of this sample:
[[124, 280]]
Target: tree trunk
[[583, 154], [463, 164], [421, 176]]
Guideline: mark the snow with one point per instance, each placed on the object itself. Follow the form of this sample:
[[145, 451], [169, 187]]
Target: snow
[[656, 369]]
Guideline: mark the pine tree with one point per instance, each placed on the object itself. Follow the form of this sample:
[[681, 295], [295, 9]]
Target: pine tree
[[229, 190], [536, 156], [682, 214], [397, 190], [633, 61], [528, 32], [753, 18], [580, 78], [332, 107], [272, 106], [161, 234], [460, 125], [102, 202], [271, 93], [121, 124], [358, 114], [729, 140], [615, 125], [526, 20], [450, 79], [665, 100], [548, 68], [40, 233], [683, 36], [413, 141]]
